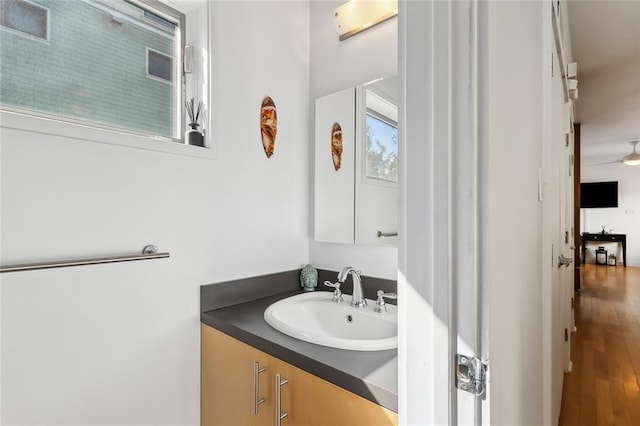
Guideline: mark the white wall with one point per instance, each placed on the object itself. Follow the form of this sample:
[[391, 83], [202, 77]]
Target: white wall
[[336, 65], [515, 215], [622, 220], [119, 344]]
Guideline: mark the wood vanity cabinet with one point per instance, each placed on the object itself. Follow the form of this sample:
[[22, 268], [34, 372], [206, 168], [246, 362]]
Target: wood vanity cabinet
[[226, 385], [228, 395]]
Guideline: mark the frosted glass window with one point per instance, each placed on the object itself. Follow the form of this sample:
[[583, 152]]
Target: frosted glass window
[[381, 148], [97, 63]]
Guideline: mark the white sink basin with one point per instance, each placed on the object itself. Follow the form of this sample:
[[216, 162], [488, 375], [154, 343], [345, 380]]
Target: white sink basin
[[314, 317]]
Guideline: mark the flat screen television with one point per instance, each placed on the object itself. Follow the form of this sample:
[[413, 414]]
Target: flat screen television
[[598, 195]]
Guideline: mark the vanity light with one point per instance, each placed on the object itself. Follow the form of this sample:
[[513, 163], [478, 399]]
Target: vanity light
[[357, 15]]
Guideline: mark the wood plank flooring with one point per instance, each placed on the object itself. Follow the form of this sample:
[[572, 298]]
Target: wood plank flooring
[[604, 385]]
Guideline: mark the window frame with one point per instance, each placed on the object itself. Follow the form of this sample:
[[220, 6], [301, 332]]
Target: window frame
[[34, 123], [170, 14], [29, 36], [179, 113], [54, 127], [385, 111]]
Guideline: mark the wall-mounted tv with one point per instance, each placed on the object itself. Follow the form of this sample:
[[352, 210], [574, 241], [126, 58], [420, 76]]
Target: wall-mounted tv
[[598, 195]]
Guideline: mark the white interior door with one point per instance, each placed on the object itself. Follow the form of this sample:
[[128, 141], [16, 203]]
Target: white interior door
[[442, 280], [571, 249], [554, 243], [469, 316], [566, 203], [564, 243]]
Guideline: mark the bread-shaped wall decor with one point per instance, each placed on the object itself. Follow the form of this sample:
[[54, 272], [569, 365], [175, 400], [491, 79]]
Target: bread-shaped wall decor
[[268, 125], [336, 146]]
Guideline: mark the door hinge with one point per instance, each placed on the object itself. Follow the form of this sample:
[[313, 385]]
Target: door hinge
[[570, 164], [566, 237], [471, 374], [573, 303], [566, 335]]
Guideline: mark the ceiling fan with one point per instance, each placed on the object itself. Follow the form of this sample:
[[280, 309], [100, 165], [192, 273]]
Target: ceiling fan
[[632, 159]]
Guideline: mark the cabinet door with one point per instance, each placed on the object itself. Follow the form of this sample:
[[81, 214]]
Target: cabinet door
[[227, 382], [334, 187], [311, 401]]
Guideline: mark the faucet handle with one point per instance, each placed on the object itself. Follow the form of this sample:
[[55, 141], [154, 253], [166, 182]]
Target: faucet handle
[[337, 294], [335, 285], [381, 306]]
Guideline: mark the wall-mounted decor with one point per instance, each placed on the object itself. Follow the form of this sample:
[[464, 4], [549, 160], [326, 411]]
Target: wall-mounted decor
[[268, 125], [336, 145]]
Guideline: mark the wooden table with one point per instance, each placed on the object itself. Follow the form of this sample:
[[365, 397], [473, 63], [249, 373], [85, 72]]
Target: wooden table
[[605, 238]]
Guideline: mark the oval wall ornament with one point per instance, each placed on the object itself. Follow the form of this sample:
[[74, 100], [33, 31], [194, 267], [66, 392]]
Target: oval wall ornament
[[268, 125], [336, 146]]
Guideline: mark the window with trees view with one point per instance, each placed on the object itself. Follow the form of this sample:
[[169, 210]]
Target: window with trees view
[[106, 63], [381, 147]]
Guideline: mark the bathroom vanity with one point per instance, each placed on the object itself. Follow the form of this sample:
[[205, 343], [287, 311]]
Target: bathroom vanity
[[245, 386], [253, 374]]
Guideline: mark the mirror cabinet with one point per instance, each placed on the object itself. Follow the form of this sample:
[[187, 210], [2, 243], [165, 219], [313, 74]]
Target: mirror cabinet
[[356, 165]]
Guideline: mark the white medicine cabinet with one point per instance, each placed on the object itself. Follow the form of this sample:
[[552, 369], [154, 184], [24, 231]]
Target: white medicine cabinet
[[356, 165]]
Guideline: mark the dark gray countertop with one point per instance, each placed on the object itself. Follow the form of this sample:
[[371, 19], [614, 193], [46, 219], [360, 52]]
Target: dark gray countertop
[[370, 374]]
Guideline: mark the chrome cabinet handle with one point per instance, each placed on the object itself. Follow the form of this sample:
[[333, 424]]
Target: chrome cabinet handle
[[386, 234], [279, 414], [256, 387]]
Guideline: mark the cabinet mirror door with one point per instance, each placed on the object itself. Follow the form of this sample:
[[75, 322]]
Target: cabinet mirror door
[[356, 165], [335, 167]]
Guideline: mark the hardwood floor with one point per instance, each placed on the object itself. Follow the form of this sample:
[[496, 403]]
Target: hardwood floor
[[604, 385]]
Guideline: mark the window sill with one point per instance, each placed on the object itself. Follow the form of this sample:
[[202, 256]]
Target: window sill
[[46, 126]]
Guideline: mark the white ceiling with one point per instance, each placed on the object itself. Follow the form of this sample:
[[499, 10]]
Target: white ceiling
[[605, 42]]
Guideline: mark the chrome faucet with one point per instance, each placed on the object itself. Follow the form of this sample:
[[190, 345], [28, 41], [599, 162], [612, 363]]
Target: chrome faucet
[[357, 300]]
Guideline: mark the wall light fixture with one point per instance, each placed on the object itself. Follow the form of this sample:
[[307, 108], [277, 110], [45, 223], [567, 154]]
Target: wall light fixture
[[357, 15]]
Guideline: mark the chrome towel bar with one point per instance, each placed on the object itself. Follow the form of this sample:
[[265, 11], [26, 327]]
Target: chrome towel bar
[[149, 252]]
